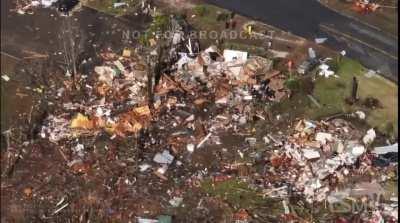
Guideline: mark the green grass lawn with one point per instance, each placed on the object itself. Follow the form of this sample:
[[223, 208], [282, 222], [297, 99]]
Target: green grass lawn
[[331, 93], [251, 49], [206, 17], [107, 6]]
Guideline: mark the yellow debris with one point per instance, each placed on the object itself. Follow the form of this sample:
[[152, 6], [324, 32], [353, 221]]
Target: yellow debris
[[81, 121], [142, 111], [249, 29], [126, 53], [136, 127]]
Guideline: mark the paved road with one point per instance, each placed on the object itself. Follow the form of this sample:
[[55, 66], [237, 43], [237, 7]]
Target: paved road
[[310, 19]]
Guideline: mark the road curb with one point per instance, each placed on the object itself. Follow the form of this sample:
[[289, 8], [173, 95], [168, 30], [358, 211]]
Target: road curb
[[358, 20], [254, 21], [348, 36]]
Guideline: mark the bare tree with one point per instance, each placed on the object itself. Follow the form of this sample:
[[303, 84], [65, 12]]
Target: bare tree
[[71, 44], [154, 70]]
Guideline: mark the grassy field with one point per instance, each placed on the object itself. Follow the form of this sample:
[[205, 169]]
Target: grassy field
[[206, 17], [107, 6], [331, 93]]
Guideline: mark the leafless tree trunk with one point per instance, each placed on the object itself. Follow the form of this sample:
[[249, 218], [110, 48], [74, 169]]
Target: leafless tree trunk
[[70, 47], [154, 64], [150, 71]]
